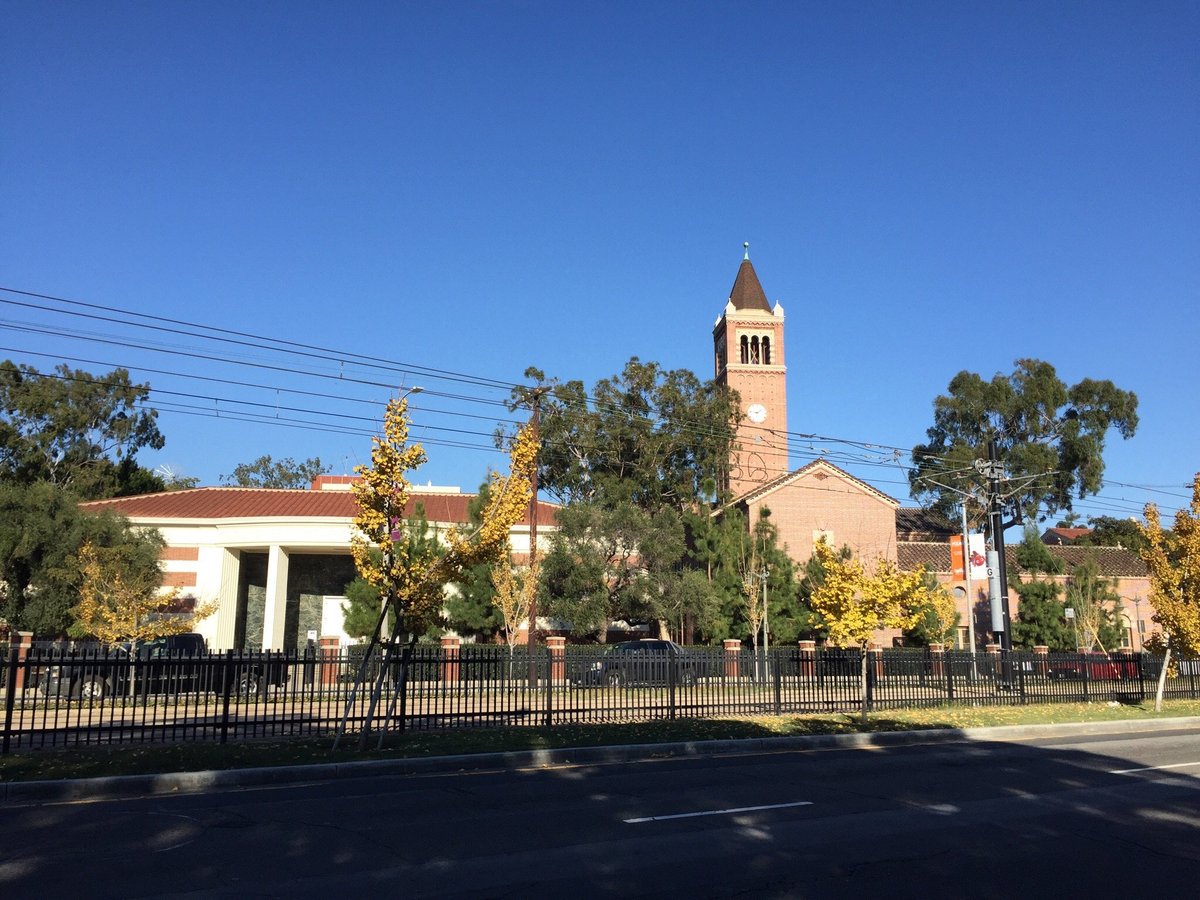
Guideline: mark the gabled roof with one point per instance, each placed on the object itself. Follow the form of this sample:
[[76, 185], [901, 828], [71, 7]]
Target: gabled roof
[[814, 467], [266, 503], [917, 524], [1062, 535], [747, 293]]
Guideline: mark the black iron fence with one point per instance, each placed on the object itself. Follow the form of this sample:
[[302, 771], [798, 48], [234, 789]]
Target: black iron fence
[[97, 695]]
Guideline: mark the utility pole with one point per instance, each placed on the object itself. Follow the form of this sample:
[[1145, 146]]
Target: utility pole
[[994, 471]]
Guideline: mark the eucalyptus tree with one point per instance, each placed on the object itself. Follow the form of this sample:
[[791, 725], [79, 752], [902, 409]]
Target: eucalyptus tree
[[1049, 437]]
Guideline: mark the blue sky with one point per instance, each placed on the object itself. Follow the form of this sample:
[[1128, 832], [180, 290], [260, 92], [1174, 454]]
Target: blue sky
[[480, 187]]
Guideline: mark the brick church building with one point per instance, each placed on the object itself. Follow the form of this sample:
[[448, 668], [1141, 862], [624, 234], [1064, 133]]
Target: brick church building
[[821, 500]]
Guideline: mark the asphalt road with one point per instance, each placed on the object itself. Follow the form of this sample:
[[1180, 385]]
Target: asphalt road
[[1083, 817]]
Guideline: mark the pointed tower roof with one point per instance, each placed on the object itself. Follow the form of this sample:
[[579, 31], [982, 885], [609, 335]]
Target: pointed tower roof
[[747, 293]]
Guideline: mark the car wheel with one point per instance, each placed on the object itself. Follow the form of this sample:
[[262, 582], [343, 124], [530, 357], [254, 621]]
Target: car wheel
[[92, 689], [248, 685], [613, 679]]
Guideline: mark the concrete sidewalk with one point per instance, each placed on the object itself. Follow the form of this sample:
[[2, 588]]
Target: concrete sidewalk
[[133, 786]]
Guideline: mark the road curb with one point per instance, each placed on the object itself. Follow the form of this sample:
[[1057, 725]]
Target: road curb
[[134, 786]]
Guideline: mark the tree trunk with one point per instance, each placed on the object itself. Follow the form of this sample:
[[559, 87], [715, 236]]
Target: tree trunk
[[1162, 680]]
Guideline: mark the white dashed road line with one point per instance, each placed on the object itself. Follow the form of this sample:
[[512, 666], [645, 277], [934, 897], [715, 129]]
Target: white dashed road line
[[716, 812]]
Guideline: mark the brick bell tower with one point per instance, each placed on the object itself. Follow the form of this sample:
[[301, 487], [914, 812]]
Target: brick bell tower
[[748, 356]]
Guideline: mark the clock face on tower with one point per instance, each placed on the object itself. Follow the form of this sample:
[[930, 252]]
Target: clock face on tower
[[756, 413]]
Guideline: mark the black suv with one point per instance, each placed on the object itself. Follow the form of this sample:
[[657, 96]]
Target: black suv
[[177, 664], [648, 662]]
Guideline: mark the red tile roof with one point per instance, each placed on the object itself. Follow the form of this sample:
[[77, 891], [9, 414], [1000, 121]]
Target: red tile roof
[[264, 503]]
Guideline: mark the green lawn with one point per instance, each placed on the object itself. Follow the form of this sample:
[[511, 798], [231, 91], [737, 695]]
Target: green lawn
[[149, 758]]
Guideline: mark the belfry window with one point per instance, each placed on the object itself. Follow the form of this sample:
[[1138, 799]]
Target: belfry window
[[754, 357], [745, 348], [766, 351]]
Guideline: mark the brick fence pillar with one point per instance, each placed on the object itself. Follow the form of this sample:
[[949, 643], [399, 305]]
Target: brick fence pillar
[[23, 641], [808, 659], [733, 652], [450, 663], [557, 646], [875, 659], [937, 660], [993, 657], [328, 648], [1041, 659]]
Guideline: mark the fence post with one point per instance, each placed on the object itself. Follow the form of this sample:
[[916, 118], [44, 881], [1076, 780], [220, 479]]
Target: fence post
[[226, 685], [948, 669], [10, 695], [1083, 665], [671, 661], [778, 676], [402, 687], [1021, 678], [549, 686]]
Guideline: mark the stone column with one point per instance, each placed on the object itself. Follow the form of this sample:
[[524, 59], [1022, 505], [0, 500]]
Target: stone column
[[227, 597], [558, 657], [450, 663], [733, 652], [275, 606]]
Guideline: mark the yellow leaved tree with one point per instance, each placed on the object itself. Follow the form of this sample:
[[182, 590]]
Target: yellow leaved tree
[[412, 583], [1173, 562], [854, 604], [515, 591], [119, 602]]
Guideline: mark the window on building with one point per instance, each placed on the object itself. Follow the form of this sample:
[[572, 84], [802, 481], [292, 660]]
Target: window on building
[[962, 638], [745, 348], [766, 351]]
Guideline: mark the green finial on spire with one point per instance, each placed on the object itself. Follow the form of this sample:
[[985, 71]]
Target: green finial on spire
[[746, 247]]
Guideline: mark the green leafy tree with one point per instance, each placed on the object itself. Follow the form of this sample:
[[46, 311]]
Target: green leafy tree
[[1049, 437], [1111, 532], [611, 562], [75, 430], [266, 472], [653, 438], [1040, 618], [42, 530]]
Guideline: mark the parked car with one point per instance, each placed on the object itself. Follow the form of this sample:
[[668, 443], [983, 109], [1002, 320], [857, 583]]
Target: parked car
[[646, 662], [176, 664], [1096, 666]]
